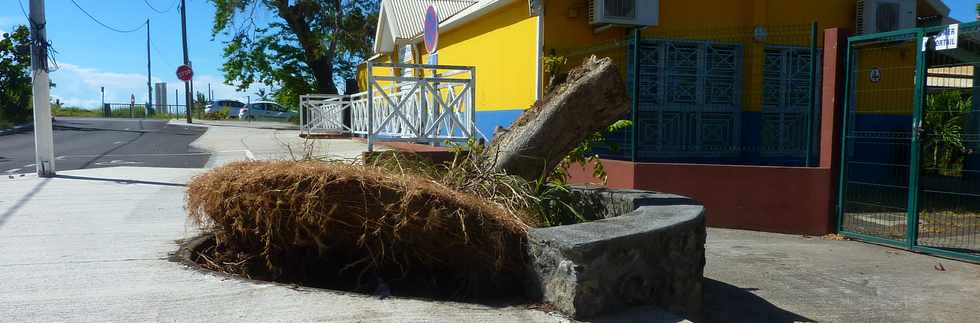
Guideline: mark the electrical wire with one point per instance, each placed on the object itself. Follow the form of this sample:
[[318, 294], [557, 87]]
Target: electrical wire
[[123, 31], [40, 46], [148, 4], [19, 2]]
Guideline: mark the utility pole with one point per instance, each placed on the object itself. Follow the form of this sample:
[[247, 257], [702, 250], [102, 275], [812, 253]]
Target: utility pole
[[149, 82], [43, 134], [187, 85], [210, 99]]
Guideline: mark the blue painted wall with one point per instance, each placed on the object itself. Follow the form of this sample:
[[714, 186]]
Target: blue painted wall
[[487, 121]]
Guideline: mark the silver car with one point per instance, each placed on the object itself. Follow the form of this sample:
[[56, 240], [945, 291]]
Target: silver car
[[264, 110], [232, 106]]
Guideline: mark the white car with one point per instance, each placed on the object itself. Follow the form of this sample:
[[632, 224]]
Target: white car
[[264, 109], [232, 106]]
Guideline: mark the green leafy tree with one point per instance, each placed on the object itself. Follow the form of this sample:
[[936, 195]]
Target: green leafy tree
[[15, 77], [306, 46], [263, 95]]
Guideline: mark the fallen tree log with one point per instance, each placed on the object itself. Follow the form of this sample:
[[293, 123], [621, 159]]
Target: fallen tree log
[[591, 98]]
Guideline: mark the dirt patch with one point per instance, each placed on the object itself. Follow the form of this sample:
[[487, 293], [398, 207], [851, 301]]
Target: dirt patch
[[356, 228]]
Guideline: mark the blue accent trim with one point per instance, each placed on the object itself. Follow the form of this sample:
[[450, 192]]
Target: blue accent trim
[[487, 121]]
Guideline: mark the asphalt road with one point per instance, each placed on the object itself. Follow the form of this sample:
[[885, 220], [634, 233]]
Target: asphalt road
[[91, 143]]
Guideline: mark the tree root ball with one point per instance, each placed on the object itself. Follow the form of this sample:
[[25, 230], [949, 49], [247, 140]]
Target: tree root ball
[[288, 219]]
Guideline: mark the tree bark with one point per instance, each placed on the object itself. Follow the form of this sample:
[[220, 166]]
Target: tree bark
[[592, 98], [317, 56]]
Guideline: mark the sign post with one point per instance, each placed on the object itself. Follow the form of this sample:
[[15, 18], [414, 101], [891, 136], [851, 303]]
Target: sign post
[[186, 73], [430, 36]]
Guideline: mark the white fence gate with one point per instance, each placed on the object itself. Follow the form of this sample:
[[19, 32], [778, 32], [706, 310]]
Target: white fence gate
[[432, 103]]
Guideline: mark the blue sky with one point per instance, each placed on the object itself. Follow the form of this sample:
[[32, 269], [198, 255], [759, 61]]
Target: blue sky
[[91, 56]]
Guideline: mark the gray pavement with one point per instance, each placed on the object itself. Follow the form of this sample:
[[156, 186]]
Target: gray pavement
[[239, 140], [93, 245], [94, 142], [767, 277]]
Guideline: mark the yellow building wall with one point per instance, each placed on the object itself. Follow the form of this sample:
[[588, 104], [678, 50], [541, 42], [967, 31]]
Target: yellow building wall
[[501, 46], [894, 92], [378, 71], [568, 33]]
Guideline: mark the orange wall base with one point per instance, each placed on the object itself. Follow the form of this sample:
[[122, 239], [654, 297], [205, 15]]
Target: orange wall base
[[792, 200]]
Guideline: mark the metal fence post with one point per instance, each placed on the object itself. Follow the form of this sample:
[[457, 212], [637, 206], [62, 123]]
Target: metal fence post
[[370, 106], [471, 114], [912, 219], [812, 104], [635, 100], [302, 112]]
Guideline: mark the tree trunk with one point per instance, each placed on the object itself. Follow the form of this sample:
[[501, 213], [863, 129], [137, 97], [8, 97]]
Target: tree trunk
[[592, 98], [318, 57]]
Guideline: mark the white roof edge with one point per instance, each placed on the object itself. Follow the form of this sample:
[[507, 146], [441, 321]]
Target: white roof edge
[[383, 44], [473, 12]]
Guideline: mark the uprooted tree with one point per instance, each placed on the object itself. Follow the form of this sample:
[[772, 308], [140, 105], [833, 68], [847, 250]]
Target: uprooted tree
[[455, 229], [592, 97]]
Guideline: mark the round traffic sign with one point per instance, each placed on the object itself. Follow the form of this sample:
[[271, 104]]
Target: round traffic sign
[[431, 30], [185, 73]]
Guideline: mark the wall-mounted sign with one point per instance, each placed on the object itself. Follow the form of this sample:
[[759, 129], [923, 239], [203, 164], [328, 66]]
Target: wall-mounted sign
[[431, 30], [948, 38], [760, 34], [875, 75]]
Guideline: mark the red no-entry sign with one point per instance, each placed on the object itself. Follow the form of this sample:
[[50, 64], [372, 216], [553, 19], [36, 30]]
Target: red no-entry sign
[[184, 73]]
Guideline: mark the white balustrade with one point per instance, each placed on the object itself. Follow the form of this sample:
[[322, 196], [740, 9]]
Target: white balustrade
[[434, 103]]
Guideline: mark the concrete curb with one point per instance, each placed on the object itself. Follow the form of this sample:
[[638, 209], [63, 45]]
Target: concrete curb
[[17, 129], [647, 249]]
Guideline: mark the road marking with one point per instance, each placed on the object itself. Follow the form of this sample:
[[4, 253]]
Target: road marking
[[134, 155], [248, 153], [13, 170], [117, 162], [126, 129], [118, 142], [29, 165]]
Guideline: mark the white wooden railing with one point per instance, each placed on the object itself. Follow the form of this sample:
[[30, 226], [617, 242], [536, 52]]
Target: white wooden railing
[[430, 103]]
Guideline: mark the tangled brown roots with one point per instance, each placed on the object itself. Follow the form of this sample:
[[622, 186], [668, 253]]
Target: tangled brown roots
[[375, 220]]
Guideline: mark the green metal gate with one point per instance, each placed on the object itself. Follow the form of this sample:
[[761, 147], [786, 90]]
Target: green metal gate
[[910, 174]]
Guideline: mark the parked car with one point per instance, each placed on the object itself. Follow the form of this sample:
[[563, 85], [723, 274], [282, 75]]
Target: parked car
[[264, 109], [232, 106]]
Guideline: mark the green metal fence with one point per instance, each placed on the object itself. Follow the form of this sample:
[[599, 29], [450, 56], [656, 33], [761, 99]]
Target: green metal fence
[[910, 174], [742, 95]]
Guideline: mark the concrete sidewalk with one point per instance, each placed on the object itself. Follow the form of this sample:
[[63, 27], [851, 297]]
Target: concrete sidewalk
[[767, 277], [93, 245], [237, 140]]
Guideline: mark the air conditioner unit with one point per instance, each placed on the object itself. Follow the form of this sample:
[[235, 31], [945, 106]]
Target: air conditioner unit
[[876, 16], [624, 12]]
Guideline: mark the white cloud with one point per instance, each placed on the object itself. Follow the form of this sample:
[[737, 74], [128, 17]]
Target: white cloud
[[80, 86]]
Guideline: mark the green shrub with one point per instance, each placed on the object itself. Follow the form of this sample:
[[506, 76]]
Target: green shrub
[[944, 148], [217, 115]]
